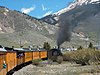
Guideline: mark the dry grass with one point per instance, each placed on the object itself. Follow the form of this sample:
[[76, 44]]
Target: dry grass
[[66, 68]]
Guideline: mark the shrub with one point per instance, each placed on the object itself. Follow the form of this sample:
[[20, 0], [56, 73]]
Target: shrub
[[53, 58], [83, 57], [67, 56], [59, 59], [36, 61]]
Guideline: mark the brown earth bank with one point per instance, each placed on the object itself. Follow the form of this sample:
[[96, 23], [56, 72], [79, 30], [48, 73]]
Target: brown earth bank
[[66, 68]]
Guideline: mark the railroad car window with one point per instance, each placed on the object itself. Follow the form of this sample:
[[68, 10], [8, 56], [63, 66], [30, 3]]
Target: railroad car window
[[20, 55]]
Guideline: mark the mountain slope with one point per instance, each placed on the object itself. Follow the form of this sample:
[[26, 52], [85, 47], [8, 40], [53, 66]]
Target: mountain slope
[[17, 27], [84, 16]]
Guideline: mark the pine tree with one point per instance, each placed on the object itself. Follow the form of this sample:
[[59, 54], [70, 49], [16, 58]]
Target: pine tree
[[90, 45], [80, 48], [46, 46]]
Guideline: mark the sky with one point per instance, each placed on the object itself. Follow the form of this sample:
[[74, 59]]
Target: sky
[[36, 8]]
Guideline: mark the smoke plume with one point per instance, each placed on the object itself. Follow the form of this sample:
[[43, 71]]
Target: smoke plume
[[64, 32], [86, 14]]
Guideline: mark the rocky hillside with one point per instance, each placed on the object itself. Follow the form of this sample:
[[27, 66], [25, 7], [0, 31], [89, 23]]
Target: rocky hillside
[[17, 27], [84, 16]]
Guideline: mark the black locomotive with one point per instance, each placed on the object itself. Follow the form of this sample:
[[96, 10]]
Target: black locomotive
[[54, 53]]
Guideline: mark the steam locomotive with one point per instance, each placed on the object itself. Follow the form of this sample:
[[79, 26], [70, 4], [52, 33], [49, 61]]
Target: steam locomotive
[[54, 53]]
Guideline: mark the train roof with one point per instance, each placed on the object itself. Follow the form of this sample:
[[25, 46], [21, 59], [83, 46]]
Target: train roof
[[19, 49], [3, 50], [22, 49], [34, 49], [42, 49], [31, 49], [8, 49], [28, 49], [38, 49]]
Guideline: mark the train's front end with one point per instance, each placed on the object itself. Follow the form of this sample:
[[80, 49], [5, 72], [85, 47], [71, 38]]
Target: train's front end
[[54, 53]]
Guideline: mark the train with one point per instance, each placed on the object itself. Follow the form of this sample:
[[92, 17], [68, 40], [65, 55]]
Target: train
[[12, 57], [54, 53]]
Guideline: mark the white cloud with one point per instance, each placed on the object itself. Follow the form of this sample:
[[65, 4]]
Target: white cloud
[[44, 8], [27, 10], [47, 13]]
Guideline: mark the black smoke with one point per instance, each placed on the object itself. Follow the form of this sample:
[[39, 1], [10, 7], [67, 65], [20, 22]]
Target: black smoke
[[71, 19], [65, 29]]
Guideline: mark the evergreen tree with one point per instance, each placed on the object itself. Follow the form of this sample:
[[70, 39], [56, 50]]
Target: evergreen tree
[[90, 45], [80, 48], [46, 46]]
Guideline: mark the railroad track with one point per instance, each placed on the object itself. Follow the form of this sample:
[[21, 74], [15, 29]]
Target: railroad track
[[18, 67]]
